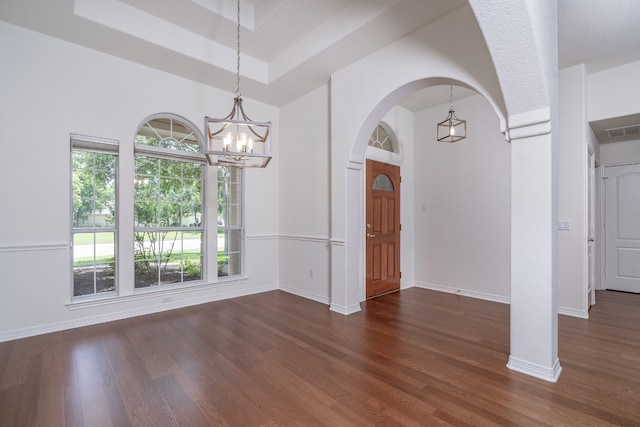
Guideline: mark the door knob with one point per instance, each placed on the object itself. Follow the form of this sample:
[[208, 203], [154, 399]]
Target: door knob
[[591, 239], [370, 235]]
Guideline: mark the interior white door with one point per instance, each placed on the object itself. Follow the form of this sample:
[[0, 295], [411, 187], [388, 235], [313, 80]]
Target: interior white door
[[622, 228]]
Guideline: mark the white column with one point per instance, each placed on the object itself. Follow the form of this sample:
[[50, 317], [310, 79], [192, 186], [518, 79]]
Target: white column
[[534, 311]]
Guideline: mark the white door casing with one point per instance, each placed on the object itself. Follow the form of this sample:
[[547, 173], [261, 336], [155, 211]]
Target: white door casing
[[591, 231], [622, 228]]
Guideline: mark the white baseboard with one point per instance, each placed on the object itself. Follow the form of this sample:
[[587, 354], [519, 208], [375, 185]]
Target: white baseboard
[[305, 294], [567, 311], [229, 292], [466, 293], [346, 310], [533, 369], [574, 312]]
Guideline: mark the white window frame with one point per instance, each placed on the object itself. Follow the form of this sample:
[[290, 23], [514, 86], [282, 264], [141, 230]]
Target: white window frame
[[124, 267], [102, 146]]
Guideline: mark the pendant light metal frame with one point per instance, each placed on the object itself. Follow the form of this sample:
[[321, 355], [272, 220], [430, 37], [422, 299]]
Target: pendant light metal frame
[[451, 129], [236, 140]]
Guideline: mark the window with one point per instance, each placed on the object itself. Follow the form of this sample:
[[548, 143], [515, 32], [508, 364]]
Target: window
[[93, 222], [229, 221], [383, 138], [170, 209], [383, 183], [168, 203]]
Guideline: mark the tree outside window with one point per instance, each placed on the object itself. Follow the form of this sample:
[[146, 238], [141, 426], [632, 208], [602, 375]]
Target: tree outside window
[[168, 221], [168, 210], [168, 204]]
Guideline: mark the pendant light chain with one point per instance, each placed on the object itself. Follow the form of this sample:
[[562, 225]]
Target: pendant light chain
[[451, 97], [238, 94]]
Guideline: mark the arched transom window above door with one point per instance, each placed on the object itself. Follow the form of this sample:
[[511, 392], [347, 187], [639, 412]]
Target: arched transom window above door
[[383, 138]]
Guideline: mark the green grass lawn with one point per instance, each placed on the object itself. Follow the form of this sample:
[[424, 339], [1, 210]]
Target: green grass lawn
[[87, 238], [107, 237]]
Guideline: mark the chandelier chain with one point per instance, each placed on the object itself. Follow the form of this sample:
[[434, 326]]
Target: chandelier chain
[[238, 94], [451, 97]]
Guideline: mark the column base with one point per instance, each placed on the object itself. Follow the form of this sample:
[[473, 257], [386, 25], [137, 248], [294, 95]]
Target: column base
[[548, 374], [346, 310]]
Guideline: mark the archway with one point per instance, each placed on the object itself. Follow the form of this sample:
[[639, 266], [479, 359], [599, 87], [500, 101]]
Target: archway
[[359, 99], [360, 96], [347, 300]]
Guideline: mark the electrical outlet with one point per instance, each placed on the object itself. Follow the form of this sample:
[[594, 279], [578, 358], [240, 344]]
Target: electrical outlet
[[564, 225]]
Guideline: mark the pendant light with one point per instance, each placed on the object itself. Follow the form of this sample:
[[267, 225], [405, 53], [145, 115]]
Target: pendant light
[[236, 140], [452, 129]]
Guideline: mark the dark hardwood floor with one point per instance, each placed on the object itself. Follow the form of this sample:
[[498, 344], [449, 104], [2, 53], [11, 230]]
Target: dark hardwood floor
[[415, 357]]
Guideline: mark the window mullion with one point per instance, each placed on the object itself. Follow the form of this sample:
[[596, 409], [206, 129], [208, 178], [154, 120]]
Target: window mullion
[[210, 197]]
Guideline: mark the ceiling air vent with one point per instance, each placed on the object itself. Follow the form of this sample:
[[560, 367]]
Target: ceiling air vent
[[633, 130]]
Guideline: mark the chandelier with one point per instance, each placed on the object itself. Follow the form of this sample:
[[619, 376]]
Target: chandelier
[[236, 140], [452, 129]]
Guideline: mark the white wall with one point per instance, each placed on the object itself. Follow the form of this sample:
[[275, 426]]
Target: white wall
[[462, 204], [573, 196], [614, 92], [617, 153], [51, 89], [438, 257], [305, 202]]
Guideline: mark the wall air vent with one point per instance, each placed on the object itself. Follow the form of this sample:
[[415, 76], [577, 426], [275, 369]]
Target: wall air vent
[[633, 130]]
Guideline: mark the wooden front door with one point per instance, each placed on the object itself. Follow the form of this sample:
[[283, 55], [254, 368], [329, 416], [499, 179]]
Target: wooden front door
[[382, 228]]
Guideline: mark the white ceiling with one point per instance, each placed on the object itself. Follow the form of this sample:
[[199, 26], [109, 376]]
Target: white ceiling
[[292, 46]]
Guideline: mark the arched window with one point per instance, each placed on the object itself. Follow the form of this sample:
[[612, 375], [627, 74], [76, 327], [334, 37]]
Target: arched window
[[170, 132], [168, 202], [383, 138]]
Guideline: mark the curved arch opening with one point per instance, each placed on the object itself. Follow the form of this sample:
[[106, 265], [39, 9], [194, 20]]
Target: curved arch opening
[[359, 145], [355, 170]]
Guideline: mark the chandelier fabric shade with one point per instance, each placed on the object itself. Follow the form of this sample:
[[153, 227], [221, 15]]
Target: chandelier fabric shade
[[452, 129], [236, 140]]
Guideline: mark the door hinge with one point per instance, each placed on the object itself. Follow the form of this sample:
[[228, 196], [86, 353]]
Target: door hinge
[[401, 274], [400, 227]]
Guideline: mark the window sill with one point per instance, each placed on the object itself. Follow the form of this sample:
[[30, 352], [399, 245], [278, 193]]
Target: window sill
[[149, 293]]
